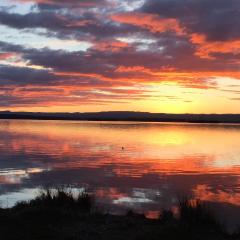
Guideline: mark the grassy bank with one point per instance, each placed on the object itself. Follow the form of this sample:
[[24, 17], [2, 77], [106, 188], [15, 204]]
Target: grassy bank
[[60, 214]]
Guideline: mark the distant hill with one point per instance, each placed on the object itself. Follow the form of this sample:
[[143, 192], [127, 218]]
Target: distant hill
[[125, 116]]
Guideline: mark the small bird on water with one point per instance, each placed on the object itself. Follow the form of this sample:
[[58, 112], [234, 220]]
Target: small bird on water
[[122, 148]]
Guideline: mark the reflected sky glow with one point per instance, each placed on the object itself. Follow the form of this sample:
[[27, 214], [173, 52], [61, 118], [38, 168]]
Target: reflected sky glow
[[159, 161]]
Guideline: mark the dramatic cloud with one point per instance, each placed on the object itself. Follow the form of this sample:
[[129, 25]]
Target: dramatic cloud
[[120, 52], [150, 22]]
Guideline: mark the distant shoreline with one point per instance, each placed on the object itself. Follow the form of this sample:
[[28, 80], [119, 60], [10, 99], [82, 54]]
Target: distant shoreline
[[125, 116], [109, 120]]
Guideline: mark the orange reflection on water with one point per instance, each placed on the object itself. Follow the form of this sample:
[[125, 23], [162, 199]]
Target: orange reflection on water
[[126, 151], [205, 193], [150, 147]]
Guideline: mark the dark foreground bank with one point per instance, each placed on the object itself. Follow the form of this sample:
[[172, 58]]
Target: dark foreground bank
[[59, 214]]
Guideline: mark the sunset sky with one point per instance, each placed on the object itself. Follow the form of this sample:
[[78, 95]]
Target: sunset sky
[[173, 56]]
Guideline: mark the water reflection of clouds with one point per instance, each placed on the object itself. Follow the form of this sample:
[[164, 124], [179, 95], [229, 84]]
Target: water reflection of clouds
[[14, 176], [158, 163]]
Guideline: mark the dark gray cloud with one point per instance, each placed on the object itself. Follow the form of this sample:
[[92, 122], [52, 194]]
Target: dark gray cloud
[[23, 75], [218, 19], [31, 20], [100, 68], [87, 26], [55, 4]]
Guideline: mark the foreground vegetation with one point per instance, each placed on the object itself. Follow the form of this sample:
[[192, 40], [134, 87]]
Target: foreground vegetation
[[60, 214]]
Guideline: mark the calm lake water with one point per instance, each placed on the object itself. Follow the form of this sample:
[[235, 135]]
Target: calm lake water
[[142, 166]]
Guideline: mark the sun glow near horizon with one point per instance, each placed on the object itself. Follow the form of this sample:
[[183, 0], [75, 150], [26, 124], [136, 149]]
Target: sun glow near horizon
[[164, 97]]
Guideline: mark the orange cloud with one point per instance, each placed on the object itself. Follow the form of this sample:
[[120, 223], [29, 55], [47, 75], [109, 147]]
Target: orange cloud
[[122, 69], [113, 46], [204, 193], [201, 79], [206, 48], [4, 56], [151, 22], [79, 23]]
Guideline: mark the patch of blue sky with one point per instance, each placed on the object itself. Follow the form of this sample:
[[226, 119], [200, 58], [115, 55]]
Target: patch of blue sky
[[142, 44], [130, 5], [38, 39], [115, 6], [14, 6]]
